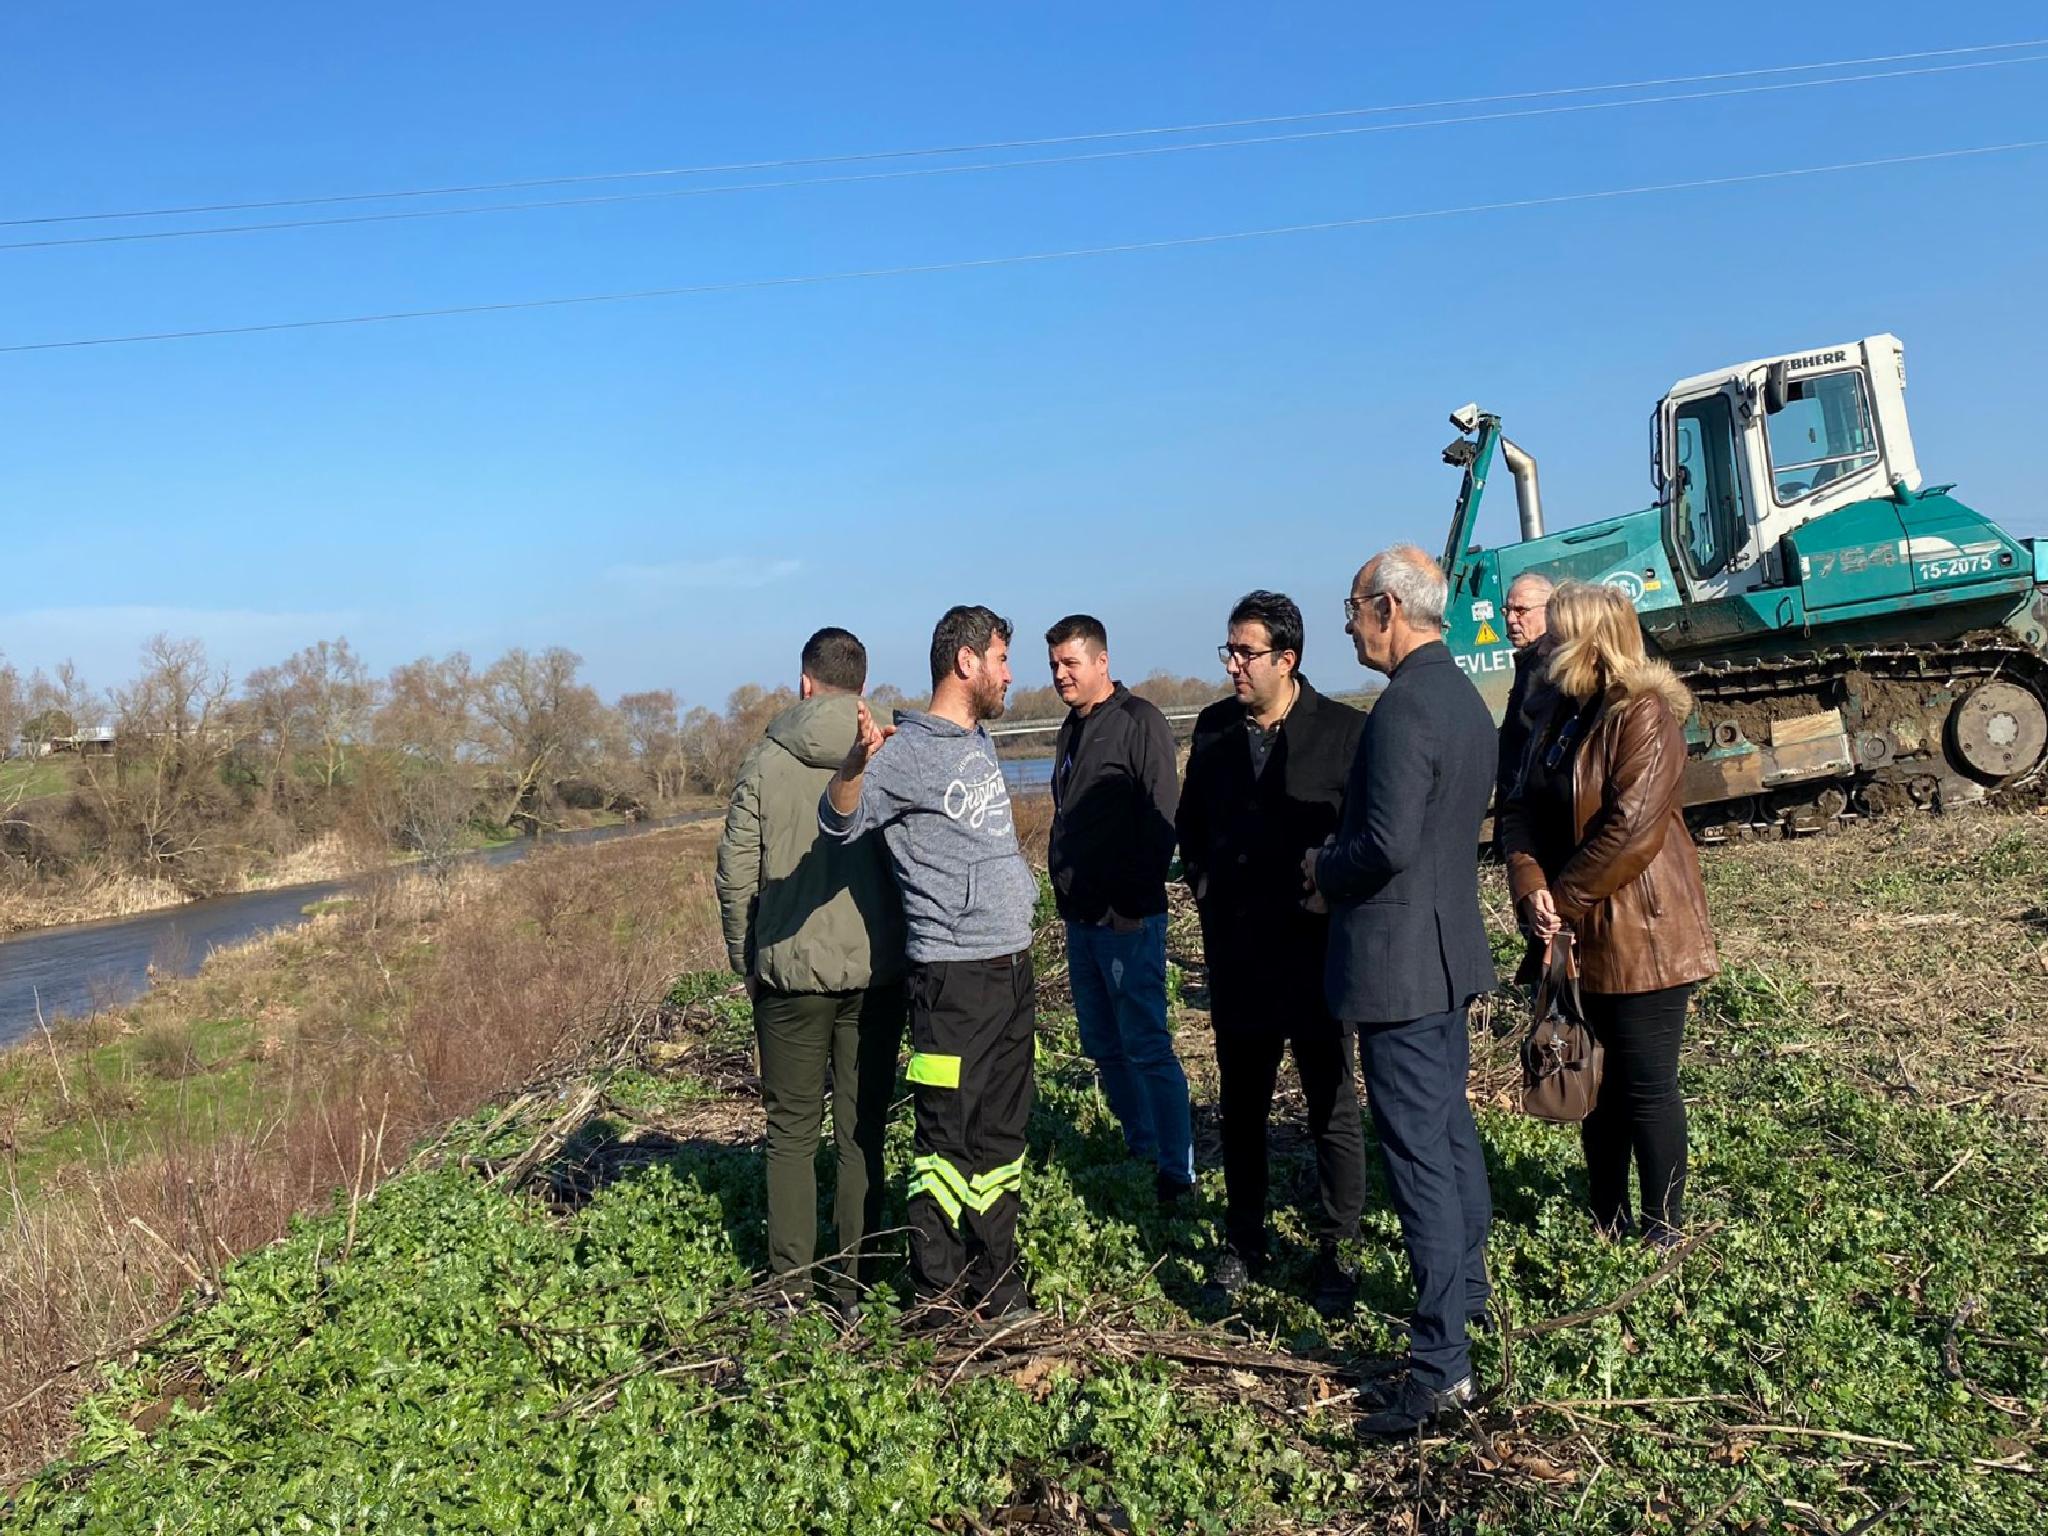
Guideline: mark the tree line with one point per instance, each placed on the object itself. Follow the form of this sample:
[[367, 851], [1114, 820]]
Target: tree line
[[186, 774]]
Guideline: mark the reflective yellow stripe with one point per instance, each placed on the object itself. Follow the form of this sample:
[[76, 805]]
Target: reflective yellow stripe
[[1009, 1176], [934, 1071], [932, 1185], [937, 1168], [985, 1189], [935, 1176]]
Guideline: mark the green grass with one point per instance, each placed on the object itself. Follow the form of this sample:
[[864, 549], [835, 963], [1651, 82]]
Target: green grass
[[1872, 1289], [417, 1383], [36, 778], [106, 1103]]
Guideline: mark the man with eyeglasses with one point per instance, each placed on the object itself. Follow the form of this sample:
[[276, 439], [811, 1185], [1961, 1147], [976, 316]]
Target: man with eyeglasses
[[1265, 779], [1530, 698], [1114, 793], [1408, 953]]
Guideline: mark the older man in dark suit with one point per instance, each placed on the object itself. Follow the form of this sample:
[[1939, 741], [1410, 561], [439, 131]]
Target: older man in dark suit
[[1408, 953]]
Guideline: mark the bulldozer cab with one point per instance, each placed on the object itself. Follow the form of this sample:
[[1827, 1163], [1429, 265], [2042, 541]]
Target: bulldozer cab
[[1744, 456]]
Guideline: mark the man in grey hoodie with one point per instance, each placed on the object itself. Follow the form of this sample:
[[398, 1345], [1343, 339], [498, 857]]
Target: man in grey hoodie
[[937, 794], [815, 928]]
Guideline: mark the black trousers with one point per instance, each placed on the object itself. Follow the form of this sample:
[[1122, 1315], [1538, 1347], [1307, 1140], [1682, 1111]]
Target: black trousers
[[1639, 1115], [1436, 1174], [1248, 1068], [857, 1036], [972, 1032]]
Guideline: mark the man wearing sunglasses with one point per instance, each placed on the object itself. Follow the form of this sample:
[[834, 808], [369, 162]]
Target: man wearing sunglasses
[[1265, 779], [1408, 953]]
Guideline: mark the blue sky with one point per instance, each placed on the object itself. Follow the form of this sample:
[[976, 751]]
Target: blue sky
[[682, 489]]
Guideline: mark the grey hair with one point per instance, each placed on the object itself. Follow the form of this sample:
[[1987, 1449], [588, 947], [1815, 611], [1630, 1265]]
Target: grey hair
[[1408, 575], [1533, 579]]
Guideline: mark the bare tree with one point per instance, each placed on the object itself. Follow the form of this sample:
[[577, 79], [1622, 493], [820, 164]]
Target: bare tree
[[655, 736], [886, 698], [325, 695], [1170, 692], [539, 725], [13, 709], [716, 745], [427, 722], [161, 792], [429, 710], [274, 721]]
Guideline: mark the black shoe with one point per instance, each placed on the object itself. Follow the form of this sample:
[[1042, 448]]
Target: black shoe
[[846, 1308], [1170, 1191], [1334, 1290], [1018, 1315], [1234, 1269], [1661, 1236], [1387, 1390], [1411, 1407]]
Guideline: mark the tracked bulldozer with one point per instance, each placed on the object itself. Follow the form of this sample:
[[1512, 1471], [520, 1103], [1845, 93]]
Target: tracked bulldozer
[[1858, 642]]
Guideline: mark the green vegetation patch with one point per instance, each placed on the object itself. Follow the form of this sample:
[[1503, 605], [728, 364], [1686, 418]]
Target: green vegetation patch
[[481, 1361], [36, 778], [102, 1104]]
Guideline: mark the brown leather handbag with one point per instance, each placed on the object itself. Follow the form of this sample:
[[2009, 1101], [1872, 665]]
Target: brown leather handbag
[[1561, 1061]]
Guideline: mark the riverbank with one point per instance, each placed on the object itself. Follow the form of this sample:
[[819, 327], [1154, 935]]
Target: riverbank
[[95, 894], [93, 968], [142, 1147]]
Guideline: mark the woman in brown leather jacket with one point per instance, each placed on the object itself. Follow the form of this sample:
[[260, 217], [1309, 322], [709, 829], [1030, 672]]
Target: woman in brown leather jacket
[[1597, 844]]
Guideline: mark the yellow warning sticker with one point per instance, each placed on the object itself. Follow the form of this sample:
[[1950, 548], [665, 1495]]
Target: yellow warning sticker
[[1487, 636]]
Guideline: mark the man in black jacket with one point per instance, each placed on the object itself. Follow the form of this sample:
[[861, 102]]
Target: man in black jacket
[[1529, 700], [1408, 953], [1114, 794], [1266, 779]]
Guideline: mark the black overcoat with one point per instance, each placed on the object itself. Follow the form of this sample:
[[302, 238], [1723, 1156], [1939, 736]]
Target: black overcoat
[[1241, 842]]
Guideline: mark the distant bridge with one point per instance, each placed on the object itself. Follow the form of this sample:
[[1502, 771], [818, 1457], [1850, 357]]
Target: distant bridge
[[1182, 720]]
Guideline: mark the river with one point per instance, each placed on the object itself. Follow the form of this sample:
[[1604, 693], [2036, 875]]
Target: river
[[82, 967], [86, 966]]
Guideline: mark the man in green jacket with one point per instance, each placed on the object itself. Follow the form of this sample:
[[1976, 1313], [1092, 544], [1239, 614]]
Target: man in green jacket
[[816, 928]]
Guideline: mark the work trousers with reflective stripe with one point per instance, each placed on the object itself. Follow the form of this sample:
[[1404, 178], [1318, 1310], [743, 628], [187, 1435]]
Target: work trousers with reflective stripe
[[971, 1035]]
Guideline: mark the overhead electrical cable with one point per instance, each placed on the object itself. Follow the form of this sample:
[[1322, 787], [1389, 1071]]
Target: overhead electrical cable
[[993, 145], [409, 215], [970, 264]]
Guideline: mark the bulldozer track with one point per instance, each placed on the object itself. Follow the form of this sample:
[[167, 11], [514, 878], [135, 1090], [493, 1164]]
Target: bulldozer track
[[1749, 690]]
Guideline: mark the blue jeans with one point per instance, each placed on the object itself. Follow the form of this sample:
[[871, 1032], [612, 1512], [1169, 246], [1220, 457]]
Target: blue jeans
[[1119, 982]]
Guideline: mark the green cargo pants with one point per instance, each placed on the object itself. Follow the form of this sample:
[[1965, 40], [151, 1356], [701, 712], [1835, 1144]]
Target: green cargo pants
[[858, 1035]]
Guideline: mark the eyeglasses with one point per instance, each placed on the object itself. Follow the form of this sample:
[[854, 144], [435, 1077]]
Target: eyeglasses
[[1242, 655], [1354, 606], [1526, 607]]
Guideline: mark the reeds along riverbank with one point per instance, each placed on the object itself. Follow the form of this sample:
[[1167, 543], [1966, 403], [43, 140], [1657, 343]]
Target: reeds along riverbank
[[141, 1150]]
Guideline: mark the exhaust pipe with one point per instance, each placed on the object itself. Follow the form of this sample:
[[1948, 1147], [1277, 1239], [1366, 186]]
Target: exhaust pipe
[[1527, 495]]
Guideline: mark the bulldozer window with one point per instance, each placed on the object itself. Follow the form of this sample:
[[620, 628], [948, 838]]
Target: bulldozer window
[[1710, 513], [1822, 434]]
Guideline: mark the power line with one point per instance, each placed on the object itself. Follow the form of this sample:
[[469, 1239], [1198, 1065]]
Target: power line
[[992, 146], [1179, 242], [1144, 152]]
